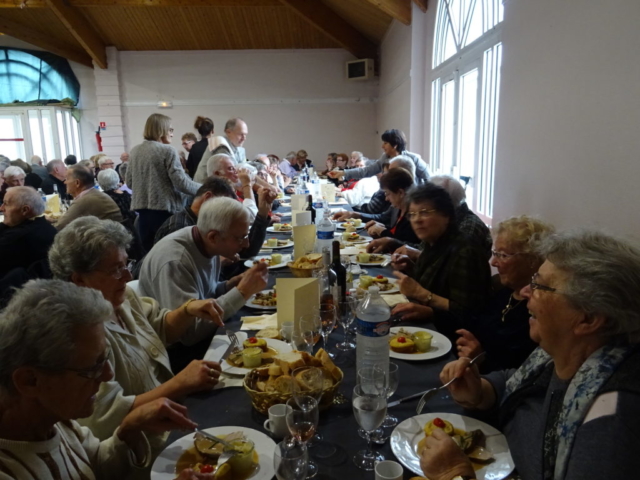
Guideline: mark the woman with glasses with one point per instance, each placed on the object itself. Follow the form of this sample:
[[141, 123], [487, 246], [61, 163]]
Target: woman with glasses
[[502, 330], [157, 178], [572, 410], [92, 253], [450, 280]]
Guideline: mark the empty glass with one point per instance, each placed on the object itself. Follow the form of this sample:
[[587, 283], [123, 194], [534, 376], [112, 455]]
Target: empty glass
[[393, 379], [327, 324], [346, 315], [290, 460], [310, 326]]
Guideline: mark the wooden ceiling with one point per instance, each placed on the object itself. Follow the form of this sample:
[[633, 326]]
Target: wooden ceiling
[[81, 29]]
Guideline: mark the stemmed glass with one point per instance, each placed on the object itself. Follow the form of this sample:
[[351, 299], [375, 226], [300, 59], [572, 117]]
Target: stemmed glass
[[308, 381], [302, 421], [347, 313], [290, 460], [393, 379], [373, 379], [327, 323], [309, 327], [369, 408]]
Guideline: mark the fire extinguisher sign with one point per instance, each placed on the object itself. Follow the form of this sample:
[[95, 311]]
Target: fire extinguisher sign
[[103, 124]]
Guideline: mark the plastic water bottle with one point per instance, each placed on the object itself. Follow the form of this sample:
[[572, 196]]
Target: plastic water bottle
[[318, 206], [372, 324], [325, 231]]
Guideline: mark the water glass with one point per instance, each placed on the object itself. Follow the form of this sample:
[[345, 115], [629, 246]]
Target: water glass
[[346, 315], [302, 422], [392, 381], [290, 460], [310, 326], [327, 323], [369, 409]]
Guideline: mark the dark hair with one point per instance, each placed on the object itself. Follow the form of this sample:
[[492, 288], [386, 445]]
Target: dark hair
[[189, 137], [437, 196], [218, 186], [82, 173], [396, 179], [343, 156], [70, 160], [396, 139], [334, 156], [204, 125]]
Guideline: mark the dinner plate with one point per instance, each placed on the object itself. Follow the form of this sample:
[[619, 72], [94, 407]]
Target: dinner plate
[[440, 345], [356, 284], [220, 343], [272, 230], [289, 244], [283, 204], [285, 259], [260, 307], [405, 438], [373, 264], [341, 226], [164, 466], [361, 240]]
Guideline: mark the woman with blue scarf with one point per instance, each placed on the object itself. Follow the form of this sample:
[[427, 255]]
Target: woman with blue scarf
[[572, 410]]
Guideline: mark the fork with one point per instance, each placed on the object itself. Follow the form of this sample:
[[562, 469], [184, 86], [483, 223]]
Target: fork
[[429, 394], [234, 341]]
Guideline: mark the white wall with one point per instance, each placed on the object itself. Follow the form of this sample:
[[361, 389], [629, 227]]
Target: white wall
[[569, 118], [289, 99]]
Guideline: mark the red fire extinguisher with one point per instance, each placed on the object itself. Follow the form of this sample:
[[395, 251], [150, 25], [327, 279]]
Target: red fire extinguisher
[[99, 140]]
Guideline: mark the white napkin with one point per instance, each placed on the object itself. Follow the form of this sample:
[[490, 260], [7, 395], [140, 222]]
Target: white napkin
[[395, 299], [259, 322], [225, 381], [219, 345]]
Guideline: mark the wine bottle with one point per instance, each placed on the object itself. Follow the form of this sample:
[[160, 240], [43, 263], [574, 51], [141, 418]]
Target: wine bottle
[[328, 282], [340, 272], [311, 209]]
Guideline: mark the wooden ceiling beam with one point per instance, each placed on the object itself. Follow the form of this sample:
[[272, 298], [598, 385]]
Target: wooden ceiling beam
[[334, 26], [79, 27], [142, 3], [398, 9], [422, 4], [44, 41]]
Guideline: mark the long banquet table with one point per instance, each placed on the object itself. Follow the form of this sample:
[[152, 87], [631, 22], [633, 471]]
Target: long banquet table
[[232, 406]]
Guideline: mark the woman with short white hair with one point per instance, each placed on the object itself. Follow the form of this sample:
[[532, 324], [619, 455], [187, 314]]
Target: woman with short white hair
[[222, 165], [109, 181]]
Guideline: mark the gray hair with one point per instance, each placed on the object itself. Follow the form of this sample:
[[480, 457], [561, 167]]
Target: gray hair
[[219, 214], [291, 155], [259, 156], [4, 164], [108, 179], [29, 197], [36, 160], [357, 154], [13, 172], [258, 165], [103, 160], [51, 166], [404, 162], [232, 122], [38, 326], [81, 247], [453, 187], [603, 278], [214, 163], [123, 170]]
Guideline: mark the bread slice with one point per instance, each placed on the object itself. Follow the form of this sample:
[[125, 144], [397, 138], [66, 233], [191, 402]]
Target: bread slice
[[283, 384], [310, 360], [328, 364], [272, 333], [288, 362]]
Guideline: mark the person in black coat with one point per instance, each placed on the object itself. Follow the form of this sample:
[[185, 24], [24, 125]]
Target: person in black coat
[[57, 175], [204, 126]]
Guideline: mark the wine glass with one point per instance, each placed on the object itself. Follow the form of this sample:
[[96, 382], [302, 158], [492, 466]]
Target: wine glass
[[393, 379], [327, 323], [347, 313], [369, 408], [308, 381], [372, 379], [309, 326], [290, 460], [302, 422]]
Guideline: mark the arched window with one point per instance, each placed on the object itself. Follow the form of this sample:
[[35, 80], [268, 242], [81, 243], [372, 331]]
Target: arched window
[[465, 92]]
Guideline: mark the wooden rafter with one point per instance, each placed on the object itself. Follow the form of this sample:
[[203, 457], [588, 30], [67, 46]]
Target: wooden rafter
[[79, 27], [142, 3], [422, 4], [331, 24], [398, 9], [44, 41]]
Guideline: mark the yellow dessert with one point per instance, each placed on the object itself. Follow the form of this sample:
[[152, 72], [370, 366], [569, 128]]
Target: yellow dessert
[[422, 341], [261, 343], [252, 357], [272, 242], [402, 345]]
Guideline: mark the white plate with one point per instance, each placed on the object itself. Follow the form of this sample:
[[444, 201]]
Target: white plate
[[272, 230], [360, 241], [283, 204], [220, 343], [440, 345], [260, 307], [164, 466], [341, 227], [285, 259], [372, 264], [289, 244], [356, 284], [405, 438]]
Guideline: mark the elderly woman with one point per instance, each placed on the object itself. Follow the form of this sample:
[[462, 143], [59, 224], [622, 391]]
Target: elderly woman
[[577, 397], [53, 361], [222, 165], [502, 330], [92, 253], [109, 181], [330, 163], [157, 178], [451, 278]]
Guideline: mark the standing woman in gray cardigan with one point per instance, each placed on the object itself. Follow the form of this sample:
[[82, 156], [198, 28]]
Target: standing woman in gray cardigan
[[156, 178]]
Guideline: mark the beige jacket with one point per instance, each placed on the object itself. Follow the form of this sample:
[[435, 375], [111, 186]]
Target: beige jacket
[[93, 203]]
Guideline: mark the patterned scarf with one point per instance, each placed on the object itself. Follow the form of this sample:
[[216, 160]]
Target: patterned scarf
[[582, 391]]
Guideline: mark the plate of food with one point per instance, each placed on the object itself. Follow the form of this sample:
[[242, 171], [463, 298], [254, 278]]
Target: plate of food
[[195, 451], [485, 446], [351, 225], [353, 238], [277, 243], [264, 300], [273, 261], [280, 228], [255, 352], [371, 259], [416, 343], [385, 284]]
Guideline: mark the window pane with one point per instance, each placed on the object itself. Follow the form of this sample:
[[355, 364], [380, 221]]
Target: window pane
[[12, 142], [47, 130], [61, 135], [76, 138], [467, 123], [447, 127], [69, 133], [474, 27], [36, 134]]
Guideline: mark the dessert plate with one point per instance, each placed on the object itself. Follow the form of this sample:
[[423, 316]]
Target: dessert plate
[[440, 345]]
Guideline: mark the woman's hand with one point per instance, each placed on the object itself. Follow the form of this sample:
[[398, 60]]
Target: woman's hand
[[157, 416], [344, 215], [207, 309], [401, 263], [412, 311], [198, 376], [442, 459], [336, 174], [382, 245], [468, 345], [467, 390], [410, 288], [245, 177], [412, 253], [375, 229]]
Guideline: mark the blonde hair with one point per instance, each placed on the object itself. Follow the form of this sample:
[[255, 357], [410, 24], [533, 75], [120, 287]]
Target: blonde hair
[[157, 127], [524, 233]]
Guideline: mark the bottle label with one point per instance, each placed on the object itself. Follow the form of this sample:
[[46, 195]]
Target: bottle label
[[325, 235], [372, 329]]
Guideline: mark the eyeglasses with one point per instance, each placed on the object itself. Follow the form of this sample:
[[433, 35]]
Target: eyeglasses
[[91, 373], [117, 273], [537, 286], [504, 256], [240, 239], [424, 213], [171, 130]]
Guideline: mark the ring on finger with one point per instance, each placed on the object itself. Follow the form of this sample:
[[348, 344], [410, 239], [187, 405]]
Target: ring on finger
[[212, 372]]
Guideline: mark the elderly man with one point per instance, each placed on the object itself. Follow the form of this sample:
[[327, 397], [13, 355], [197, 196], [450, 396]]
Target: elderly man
[[124, 158], [231, 143], [25, 236], [222, 165], [37, 168], [105, 163], [13, 177], [186, 264], [357, 192], [57, 175], [87, 200], [287, 165]]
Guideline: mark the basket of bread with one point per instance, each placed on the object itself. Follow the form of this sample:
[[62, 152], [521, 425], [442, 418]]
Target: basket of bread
[[304, 266], [273, 384]]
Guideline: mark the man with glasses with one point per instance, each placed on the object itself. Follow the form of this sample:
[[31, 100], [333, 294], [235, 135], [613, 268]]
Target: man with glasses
[[186, 264]]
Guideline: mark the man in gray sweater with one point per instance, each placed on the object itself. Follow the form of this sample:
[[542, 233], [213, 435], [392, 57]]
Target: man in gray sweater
[[186, 264]]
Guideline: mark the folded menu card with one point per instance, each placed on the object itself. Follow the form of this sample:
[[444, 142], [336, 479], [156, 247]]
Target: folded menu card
[[298, 202], [296, 297], [328, 192], [299, 218], [304, 239]]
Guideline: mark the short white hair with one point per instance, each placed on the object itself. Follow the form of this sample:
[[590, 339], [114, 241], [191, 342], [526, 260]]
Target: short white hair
[[103, 160], [220, 213], [108, 179], [215, 162], [36, 160], [404, 162], [453, 187], [29, 197], [13, 171]]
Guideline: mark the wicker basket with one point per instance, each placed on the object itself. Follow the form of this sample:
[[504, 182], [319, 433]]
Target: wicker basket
[[302, 272], [262, 401]]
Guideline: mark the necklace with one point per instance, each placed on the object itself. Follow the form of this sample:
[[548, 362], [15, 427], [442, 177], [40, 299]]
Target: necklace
[[509, 307]]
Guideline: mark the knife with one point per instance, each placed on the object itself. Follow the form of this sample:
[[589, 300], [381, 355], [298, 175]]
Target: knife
[[410, 397], [227, 352]]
